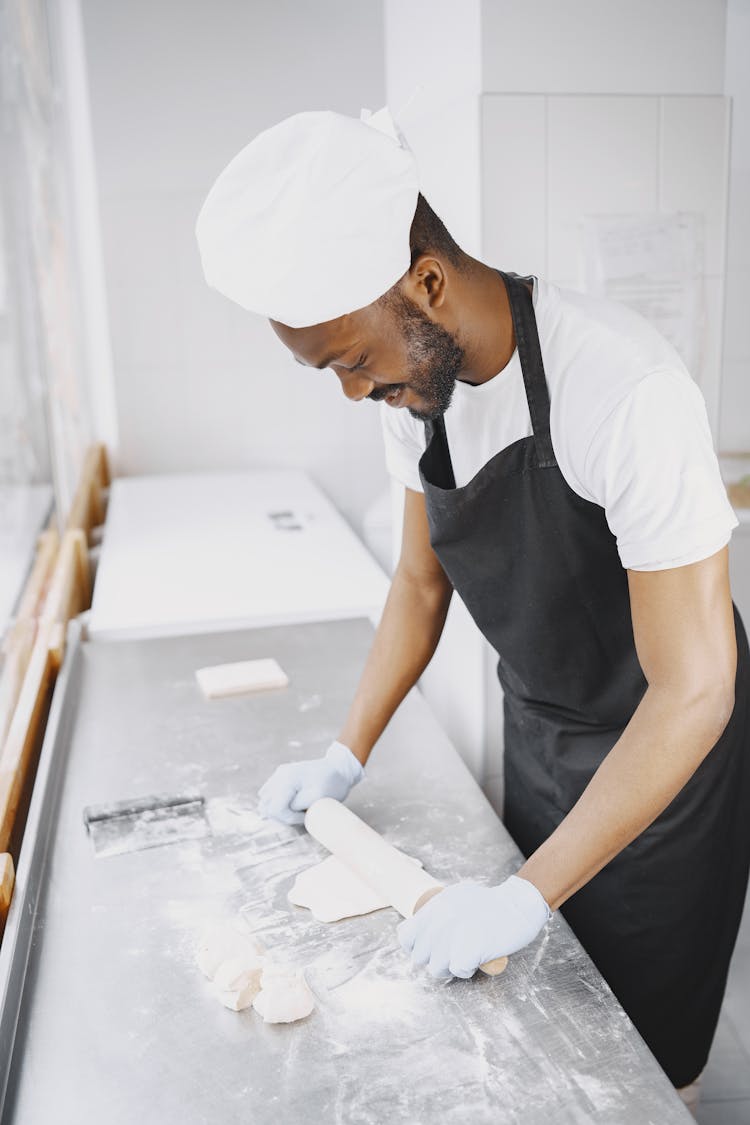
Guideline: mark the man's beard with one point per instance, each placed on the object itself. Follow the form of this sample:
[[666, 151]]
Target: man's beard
[[434, 356]]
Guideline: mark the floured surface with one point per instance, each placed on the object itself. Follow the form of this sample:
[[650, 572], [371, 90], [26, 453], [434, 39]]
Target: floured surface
[[545, 1042], [331, 891]]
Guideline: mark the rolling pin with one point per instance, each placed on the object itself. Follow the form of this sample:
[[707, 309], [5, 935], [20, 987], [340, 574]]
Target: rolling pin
[[401, 882]]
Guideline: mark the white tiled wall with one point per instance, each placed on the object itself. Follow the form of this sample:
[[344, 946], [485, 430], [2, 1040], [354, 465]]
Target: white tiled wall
[[549, 160], [693, 163], [601, 158]]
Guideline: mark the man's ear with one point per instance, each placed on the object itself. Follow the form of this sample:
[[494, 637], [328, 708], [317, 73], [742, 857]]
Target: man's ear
[[427, 282]]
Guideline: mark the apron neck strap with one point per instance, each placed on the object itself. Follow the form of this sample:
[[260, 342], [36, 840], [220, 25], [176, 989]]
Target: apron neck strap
[[442, 468], [530, 355]]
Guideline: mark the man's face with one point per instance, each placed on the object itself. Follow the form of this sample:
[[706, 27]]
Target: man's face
[[390, 350]]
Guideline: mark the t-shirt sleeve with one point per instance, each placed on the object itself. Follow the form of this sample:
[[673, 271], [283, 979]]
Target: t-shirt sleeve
[[652, 466], [404, 445]]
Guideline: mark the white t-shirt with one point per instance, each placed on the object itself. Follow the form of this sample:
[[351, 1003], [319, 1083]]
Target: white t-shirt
[[628, 425]]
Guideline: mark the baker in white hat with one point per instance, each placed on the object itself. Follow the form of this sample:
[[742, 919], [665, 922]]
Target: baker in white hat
[[560, 475]]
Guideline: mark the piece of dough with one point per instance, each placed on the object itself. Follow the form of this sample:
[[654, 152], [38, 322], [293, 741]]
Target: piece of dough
[[222, 942], [284, 996], [238, 972], [330, 891], [239, 999], [241, 677]]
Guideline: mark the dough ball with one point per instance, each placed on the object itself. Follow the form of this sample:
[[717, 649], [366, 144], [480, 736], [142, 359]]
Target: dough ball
[[239, 972], [238, 999], [220, 943], [284, 996]]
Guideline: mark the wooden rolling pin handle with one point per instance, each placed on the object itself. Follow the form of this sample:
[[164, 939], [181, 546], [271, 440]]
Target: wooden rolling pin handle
[[492, 968]]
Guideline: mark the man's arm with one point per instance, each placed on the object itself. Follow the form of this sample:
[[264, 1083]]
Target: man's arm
[[685, 640], [407, 635], [405, 640]]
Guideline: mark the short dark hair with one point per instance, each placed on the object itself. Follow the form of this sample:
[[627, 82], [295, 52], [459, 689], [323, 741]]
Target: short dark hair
[[428, 233]]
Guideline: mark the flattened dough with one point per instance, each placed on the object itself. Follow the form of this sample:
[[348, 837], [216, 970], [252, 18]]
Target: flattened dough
[[284, 996], [330, 891]]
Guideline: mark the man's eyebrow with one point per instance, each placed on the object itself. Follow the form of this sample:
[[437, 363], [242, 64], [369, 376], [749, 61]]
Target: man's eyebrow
[[325, 362]]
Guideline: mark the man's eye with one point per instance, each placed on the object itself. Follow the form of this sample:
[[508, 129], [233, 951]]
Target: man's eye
[[360, 363]]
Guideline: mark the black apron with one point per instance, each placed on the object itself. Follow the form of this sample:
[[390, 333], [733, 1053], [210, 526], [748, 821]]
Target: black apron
[[538, 569]]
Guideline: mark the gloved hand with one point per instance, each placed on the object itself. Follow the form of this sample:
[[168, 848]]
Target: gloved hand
[[293, 787], [466, 924]]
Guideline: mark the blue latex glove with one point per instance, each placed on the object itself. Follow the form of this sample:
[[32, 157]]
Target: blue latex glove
[[295, 786], [467, 924]]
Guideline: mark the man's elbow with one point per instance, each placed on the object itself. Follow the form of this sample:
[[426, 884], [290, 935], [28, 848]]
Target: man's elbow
[[713, 706], [725, 703]]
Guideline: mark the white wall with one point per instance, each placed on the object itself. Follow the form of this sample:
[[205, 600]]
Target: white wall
[[177, 88], [603, 46], [433, 79], [550, 160], [735, 399]]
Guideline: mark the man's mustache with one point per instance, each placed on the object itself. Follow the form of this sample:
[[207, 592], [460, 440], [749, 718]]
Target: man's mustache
[[377, 394]]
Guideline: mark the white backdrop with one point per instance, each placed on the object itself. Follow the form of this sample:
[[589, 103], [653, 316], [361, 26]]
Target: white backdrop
[[177, 88]]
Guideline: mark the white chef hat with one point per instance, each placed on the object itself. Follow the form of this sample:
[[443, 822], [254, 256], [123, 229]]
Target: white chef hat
[[311, 220]]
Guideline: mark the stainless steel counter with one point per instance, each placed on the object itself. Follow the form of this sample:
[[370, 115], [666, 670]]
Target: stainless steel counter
[[115, 1023]]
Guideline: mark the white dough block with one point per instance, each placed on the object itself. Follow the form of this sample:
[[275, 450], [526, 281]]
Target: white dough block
[[244, 676]]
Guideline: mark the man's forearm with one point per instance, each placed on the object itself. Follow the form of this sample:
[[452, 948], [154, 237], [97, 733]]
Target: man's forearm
[[661, 747], [405, 641]]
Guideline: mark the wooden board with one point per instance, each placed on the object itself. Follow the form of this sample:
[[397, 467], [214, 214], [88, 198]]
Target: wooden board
[[19, 641], [37, 585], [87, 509], [70, 588], [7, 880], [25, 730], [17, 652]]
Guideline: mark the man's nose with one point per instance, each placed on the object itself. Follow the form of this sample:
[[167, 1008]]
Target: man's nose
[[355, 386]]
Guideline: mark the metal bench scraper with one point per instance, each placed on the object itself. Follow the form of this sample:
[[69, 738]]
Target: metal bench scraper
[[145, 822]]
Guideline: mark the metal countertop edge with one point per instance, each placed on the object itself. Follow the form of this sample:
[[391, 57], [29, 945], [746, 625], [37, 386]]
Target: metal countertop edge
[[19, 928]]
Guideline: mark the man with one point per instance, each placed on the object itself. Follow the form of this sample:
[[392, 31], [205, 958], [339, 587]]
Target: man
[[560, 475]]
